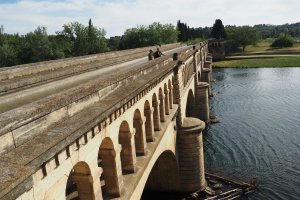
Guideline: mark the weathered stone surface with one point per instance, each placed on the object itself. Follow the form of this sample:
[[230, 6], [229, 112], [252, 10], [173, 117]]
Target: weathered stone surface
[[14, 177]]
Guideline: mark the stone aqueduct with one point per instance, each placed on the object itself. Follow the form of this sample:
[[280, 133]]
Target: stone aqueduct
[[140, 130]]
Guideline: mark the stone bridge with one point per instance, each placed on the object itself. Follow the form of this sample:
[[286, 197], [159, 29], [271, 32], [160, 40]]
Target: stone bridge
[[106, 126]]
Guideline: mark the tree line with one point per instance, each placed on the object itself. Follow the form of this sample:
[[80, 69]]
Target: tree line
[[241, 36], [76, 39]]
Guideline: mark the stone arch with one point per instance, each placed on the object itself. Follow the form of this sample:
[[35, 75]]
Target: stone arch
[[170, 94], [80, 183], [148, 123], [164, 175], [161, 106], [139, 137], [156, 120], [166, 92], [127, 154], [111, 178], [190, 105]]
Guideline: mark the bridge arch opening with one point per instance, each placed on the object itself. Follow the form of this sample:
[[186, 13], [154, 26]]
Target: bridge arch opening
[[164, 176], [111, 181], [148, 123], [139, 137], [190, 105], [161, 106], [127, 152], [156, 120], [80, 183]]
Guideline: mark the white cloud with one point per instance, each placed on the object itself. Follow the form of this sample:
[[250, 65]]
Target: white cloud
[[116, 16]]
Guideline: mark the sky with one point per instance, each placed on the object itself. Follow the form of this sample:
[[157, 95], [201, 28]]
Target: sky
[[115, 16]]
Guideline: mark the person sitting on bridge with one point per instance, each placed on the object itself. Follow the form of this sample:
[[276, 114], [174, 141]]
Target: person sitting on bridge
[[158, 53], [150, 55]]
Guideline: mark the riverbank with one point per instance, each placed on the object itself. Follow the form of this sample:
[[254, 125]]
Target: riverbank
[[259, 61], [261, 55]]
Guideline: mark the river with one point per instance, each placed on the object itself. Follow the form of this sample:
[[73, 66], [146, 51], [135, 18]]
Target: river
[[259, 132]]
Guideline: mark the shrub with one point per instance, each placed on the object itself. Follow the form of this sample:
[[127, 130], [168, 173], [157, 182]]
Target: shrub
[[283, 41]]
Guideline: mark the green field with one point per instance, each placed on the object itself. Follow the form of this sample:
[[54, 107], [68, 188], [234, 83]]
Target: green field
[[260, 61], [261, 55], [263, 48]]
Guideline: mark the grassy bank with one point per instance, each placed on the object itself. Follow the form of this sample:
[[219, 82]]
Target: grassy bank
[[260, 61], [261, 55]]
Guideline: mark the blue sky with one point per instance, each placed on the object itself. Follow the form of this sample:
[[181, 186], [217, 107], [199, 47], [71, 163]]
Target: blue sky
[[115, 16]]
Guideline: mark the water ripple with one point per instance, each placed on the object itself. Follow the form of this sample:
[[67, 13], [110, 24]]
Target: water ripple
[[259, 131]]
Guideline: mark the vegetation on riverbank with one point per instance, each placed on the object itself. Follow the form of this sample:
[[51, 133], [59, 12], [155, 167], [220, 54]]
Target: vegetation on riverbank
[[262, 55]]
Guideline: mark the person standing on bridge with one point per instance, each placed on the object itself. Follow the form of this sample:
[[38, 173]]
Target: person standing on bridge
[[150, 55], [158, 53]]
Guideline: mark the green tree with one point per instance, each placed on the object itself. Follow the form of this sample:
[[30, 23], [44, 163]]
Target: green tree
[[36, 46], [243, 36], [84, 40], [283, 40], [8, 55], [169, 34], [182, 28], [96, 39], [114, 43], [218, 30], [153, 34], [9, 48], [59, 47]]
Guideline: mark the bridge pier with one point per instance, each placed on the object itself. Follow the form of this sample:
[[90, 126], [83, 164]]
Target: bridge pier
[[167, 111], [190, 153], [87, 189], [206, 77], [149, 129], [140, 136], [156, 120], [202, 101], [161, 107], [112, 171]]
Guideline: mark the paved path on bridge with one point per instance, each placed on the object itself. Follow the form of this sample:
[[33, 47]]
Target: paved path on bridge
[[19, 98]]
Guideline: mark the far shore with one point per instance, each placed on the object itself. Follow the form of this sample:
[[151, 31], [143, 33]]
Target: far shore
[[261, 56]]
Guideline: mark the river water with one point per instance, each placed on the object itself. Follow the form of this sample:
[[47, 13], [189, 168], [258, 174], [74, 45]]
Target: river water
[[259, 132]]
